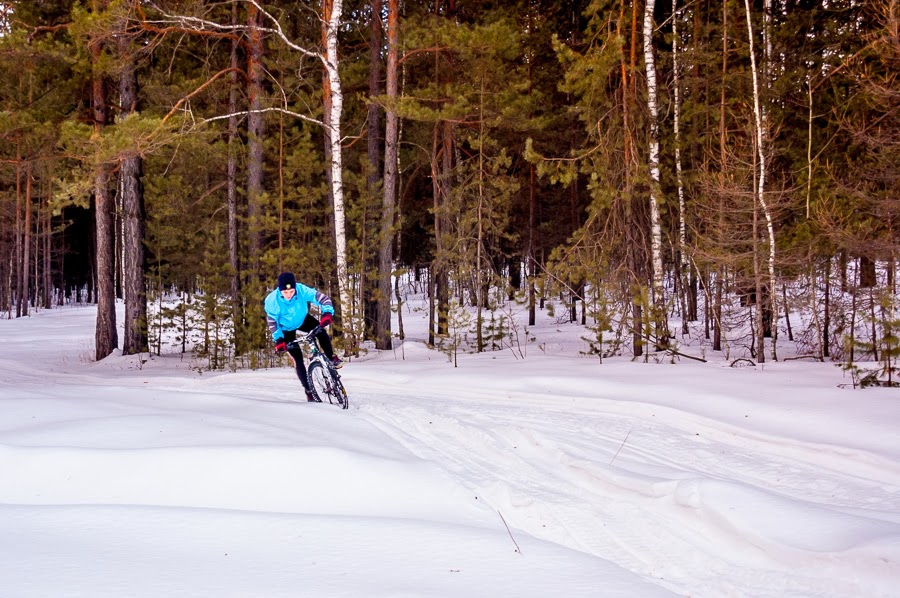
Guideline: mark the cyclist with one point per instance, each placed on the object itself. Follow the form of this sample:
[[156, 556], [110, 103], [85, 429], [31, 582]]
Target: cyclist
[[287, 311]]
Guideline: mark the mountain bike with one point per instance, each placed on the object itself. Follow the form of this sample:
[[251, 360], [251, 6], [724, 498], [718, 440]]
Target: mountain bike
[[324, 380]]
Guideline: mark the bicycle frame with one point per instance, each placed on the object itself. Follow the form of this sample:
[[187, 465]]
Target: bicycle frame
[[333, 391]]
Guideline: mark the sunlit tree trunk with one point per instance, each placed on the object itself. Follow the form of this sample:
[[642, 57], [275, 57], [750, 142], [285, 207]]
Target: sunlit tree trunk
[[655, 188], [331, 18], [682, 226], [761, 185]]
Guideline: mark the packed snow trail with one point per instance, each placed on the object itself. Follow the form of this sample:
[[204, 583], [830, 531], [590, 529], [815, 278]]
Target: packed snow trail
[[705, 508], [707, 481], [144, 480]]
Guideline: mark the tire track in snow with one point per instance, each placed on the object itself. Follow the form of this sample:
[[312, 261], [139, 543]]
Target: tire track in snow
[[548, 471]]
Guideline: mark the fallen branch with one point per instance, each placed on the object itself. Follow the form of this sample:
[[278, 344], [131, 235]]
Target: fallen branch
[[680, 354], [736, 361], [519, 550], [620, 446]]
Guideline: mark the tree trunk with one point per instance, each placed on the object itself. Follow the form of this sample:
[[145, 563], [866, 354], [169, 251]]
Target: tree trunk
[[255, 135], [787, 313], [683, 266], [106, 335], [867, 275], [759, 325], [631, 248], [826, 321], [761, 187], [479, 269], [717, 312], [443, 282], [130, 173], [20, 274], [391, 155], [659, 317], [372, 292], [530, 259], [48, 257], [814, 307], [232, 193], [26, 242], [331, 18], [682, 225]]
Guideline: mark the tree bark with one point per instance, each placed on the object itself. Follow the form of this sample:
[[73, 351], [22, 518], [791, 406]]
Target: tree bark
[[443, 282], [372, 292], [106, 335], [130, 172], [331, 18], [48, 258], [20, 274], [232, 192], [391, 154], [255, 134], [531, 261], [761, 186], [26, 242], [683, 265], [661, 327], [479, 331]]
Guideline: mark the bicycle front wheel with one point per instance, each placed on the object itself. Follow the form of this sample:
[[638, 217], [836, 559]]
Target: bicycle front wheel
[[326, 384]]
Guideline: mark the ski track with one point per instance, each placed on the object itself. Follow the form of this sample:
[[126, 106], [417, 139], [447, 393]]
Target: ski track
[[568, 475]]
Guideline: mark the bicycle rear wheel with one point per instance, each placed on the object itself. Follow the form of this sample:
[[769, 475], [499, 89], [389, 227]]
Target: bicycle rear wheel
[[326, 385]]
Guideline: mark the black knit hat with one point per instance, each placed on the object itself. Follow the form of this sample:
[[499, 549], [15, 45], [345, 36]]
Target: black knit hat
[[286, 281]]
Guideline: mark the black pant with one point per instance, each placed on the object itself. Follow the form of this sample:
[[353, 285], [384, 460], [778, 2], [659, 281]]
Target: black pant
[[297, 355]]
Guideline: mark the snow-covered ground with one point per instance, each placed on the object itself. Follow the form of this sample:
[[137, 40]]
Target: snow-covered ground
[[551, 475]]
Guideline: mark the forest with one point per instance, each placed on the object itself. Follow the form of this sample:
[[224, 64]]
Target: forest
[[722, 170]]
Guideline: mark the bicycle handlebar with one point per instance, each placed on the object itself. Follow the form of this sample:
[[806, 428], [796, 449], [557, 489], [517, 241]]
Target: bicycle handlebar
[[307, 338]]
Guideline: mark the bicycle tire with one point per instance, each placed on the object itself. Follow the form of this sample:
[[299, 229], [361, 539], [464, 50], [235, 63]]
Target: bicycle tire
[[326, 385]]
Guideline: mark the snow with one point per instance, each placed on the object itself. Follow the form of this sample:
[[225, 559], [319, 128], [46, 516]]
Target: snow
[[548, 475]]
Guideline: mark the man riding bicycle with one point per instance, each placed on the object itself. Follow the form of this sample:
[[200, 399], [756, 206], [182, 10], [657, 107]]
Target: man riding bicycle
[[287, 311]]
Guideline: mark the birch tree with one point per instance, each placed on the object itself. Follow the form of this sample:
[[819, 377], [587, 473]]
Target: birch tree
[[655, 188], [265, 23], [682, 227], [761, 187], [331, 19]]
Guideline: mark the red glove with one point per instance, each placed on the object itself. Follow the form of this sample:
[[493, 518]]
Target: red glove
[[280, 346], [325, 321]]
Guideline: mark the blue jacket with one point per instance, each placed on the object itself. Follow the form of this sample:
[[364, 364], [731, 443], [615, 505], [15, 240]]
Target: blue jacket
[[283, 314]]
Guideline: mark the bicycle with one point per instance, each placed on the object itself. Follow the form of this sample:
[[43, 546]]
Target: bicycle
[[324, 380]]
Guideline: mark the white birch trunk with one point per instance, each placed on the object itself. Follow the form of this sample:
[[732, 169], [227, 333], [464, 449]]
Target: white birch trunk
[[655, 190], [682, 226], [337, 179], [761, 187]]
